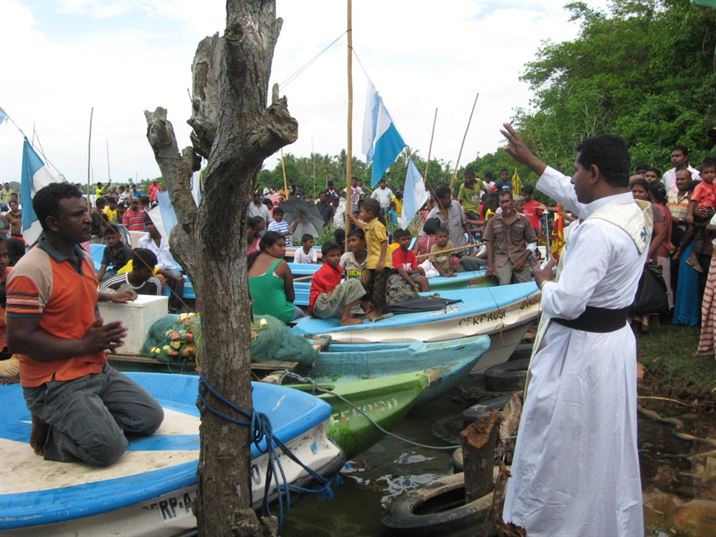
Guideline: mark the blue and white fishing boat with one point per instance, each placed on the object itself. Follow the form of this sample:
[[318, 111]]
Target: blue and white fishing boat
[[446, 363], [150, 490], [461, 280], [503, 312]]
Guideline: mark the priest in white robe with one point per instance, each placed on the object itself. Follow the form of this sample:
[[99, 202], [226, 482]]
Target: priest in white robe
[[575, 471]]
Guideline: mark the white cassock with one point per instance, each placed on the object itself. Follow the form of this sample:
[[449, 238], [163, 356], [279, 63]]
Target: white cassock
[[575, 471]]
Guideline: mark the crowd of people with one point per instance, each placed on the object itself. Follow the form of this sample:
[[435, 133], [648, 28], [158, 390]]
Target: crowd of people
[[509, 234]]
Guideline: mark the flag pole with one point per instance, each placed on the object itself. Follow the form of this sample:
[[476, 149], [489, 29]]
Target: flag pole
[[349, 141], [430, 150], [89, 159], [464, 137], [109, 176], [285, 180], [313, 161]]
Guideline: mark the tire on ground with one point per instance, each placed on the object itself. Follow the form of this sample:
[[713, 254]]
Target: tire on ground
[[437, 509], [507, 377]]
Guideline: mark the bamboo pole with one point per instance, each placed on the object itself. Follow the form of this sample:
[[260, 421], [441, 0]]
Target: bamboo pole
[[430, 147], [89, 160], [313, 161], [349, 140], [462, 145], [109, 176], [452, 250], [285, 180]]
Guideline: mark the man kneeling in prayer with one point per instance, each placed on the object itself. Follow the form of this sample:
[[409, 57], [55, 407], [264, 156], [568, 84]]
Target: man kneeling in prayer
[[329, 297]]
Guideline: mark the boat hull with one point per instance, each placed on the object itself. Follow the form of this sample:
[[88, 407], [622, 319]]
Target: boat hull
[[385, 400], [446, 363], [150, 490]]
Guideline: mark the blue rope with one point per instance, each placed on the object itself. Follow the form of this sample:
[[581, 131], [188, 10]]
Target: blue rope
[[260, 428]]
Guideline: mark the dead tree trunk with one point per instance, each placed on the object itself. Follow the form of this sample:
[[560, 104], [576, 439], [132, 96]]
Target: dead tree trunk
[[235, 131]]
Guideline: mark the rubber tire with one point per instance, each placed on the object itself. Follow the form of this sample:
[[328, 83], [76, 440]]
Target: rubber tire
[[401, 518], [508, 377]]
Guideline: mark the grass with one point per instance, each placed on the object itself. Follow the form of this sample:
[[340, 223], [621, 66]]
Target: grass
[[667, 352]]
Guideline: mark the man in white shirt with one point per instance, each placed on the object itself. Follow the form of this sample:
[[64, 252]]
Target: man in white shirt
[[256, 208], [575, 470], [383, 195], [679, 161]]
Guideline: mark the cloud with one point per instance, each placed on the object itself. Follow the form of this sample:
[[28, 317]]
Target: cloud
[[125, 57]]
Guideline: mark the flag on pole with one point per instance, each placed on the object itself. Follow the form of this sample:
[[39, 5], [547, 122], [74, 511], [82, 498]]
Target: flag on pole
[[382, 142], [3, 116], [414, 195], [516, 184], [35, 175]]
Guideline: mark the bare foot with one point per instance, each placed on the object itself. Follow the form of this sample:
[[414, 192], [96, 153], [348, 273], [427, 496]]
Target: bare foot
[[39, 434], [350, 321], [373, 315], [640, 371]]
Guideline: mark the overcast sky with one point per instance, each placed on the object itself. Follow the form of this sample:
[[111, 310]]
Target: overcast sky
[[61, 57]]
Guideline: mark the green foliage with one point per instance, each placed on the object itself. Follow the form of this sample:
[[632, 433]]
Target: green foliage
[[300, 171], [645, 71]]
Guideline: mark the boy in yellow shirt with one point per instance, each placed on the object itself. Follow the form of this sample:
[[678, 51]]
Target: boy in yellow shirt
[[378, 262]]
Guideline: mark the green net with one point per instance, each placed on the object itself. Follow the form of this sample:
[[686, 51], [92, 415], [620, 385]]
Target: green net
[[173, 339]]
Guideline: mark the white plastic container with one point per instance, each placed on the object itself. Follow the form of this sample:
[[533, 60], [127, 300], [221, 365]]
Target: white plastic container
[[137, 316]]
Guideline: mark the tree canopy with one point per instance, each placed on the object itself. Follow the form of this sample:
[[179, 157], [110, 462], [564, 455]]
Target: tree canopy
[[645, 71]]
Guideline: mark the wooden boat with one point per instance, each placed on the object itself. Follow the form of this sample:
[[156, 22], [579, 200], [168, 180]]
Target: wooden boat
[[384, 399], [446, 363], [503, 312], [150, 490]]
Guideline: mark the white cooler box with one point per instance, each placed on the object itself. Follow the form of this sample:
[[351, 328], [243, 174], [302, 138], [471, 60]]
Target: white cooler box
[[137, 316]]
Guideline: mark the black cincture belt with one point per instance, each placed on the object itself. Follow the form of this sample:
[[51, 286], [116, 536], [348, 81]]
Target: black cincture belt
[[599, 320]]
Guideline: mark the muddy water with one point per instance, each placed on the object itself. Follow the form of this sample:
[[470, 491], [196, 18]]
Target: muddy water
[[679, 491]]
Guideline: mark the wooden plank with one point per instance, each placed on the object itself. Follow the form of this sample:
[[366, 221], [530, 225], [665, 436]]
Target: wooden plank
[[266, 365]]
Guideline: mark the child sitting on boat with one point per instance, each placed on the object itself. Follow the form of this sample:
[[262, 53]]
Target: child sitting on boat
[[440, 254], [329, 297], [140, 278], [306, 254], [424, 244], [354, 260], [405, 262]]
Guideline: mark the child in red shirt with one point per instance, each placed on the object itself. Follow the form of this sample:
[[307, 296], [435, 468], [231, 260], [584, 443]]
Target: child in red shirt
[[704, 197], [328, 296], [405, 262]]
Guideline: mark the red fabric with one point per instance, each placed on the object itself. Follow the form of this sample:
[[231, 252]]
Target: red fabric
[[405, 260], [325, 280], [705, 194], [532, 210]]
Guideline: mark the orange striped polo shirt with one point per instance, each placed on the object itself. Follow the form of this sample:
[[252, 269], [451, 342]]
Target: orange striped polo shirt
[[46, 284]]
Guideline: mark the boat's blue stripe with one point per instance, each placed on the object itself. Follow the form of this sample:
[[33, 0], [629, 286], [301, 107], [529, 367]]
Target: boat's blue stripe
[[58, 505], [168, 442]]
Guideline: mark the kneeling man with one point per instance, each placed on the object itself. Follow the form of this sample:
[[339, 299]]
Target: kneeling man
[[82, 408]]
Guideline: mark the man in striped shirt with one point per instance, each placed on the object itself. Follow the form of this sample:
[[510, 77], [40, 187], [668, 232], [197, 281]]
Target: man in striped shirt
[[133, 218], [279, 225]]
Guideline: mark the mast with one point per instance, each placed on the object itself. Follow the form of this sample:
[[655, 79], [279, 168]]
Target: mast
[[349, 141], [109, 176], [89, 159]]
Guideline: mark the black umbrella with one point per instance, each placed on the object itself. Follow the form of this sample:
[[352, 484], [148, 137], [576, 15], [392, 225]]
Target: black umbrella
[[311, 219]]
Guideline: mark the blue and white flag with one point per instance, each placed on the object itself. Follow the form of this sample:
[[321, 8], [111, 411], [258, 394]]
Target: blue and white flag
[[414, 195], [3, 116], [35, 175], [382, 142]]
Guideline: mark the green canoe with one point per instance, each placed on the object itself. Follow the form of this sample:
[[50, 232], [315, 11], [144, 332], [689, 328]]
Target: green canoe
[[384, 399]]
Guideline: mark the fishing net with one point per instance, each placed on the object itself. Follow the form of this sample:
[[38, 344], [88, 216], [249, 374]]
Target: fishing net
[[173, 339], [274, 341]]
